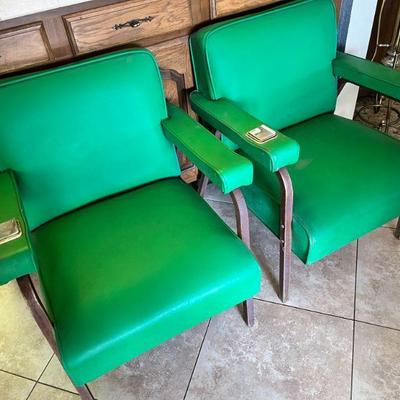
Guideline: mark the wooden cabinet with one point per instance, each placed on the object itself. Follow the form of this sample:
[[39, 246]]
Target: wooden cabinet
[[61, 34], [23, 46]]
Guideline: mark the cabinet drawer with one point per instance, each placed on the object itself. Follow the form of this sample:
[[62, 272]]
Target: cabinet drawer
[[225, 7], [22, 47], [102, 27]]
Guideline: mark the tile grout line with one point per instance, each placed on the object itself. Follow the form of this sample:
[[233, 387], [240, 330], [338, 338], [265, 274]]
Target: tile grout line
[[354, 322], [58, 388], [33, 380], [197, 359], [304, 309], [17, 375], [41, 374], [328, 314], [377, 325]]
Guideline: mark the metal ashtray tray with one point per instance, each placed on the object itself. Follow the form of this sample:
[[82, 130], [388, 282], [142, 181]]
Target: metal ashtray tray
[[10, 230]]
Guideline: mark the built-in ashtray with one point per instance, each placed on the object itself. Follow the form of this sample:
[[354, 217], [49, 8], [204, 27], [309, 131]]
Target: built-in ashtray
[[9, 230], [261, 134]]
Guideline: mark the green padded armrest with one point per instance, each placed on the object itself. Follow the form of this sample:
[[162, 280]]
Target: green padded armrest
[[369, 74], [16, 257], [228, 170], [234, 123]]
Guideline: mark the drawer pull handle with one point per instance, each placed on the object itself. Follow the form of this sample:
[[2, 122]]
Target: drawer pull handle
[[133, 23]]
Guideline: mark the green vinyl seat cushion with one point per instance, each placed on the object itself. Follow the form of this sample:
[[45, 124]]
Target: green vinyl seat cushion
[[126, 273], [345, 185]]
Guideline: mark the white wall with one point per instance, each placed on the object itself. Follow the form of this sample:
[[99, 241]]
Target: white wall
[[361, 22], [16, 8]]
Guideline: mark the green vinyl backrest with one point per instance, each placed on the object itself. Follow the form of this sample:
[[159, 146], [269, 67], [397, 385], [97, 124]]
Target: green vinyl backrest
[[276, 65], [77, 133]]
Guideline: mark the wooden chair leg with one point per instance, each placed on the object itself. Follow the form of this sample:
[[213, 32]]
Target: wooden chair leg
[[43, 321], [243, 231], [37, 309], [285, 264], [248, 308], [202, 185], [397, 230], [286, 216], [84, 393], [242, 216]]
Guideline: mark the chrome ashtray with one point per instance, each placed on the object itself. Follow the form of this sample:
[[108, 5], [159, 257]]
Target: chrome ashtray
[[10, 230]]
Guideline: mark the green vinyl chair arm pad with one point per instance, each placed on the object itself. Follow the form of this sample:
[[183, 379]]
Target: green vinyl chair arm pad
[[369, 74], [16, 256], [234, 123], [226, 169]]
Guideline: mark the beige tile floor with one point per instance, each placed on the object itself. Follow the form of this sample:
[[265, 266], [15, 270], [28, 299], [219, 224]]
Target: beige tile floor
[[337, 338]]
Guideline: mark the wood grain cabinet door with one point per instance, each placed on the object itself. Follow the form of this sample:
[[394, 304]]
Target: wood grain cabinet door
[[220, 8], [127, 22], [22, 47]]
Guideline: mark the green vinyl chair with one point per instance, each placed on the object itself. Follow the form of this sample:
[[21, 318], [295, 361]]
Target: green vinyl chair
[[127, 254], [325, 179]]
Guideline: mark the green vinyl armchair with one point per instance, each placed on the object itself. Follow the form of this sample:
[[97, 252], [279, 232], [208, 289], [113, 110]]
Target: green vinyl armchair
[[127, 254], [322, 181]]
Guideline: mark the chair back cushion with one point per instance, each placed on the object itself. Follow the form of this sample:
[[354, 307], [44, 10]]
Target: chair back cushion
[[77, 133], [276, 65]]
